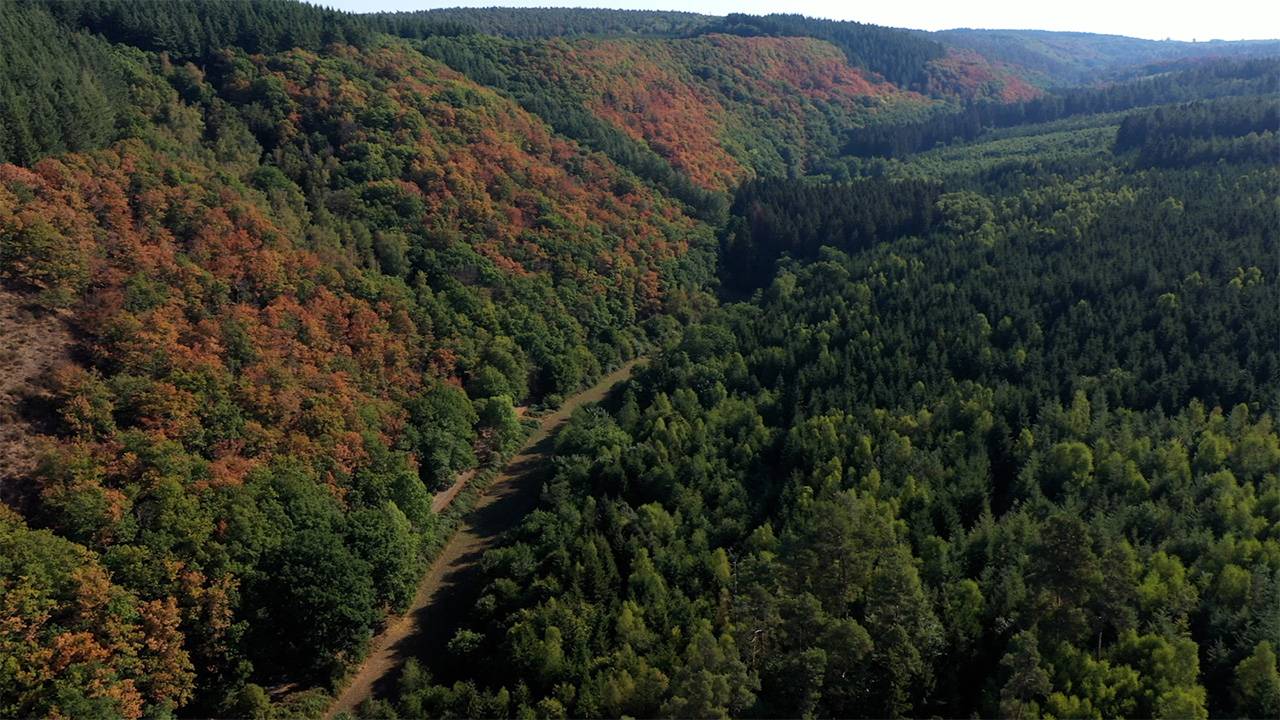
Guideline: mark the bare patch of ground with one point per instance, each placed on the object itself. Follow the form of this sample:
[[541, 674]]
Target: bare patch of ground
[[33, 341]]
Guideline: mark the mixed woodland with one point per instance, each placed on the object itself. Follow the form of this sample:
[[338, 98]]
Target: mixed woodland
[[960, 398]]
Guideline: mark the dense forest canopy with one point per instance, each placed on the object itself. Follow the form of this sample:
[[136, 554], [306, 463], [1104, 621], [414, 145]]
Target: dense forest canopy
[[60, 90], [535, 23], [198, 30], [975, 465], [898, 55], [960, 397]]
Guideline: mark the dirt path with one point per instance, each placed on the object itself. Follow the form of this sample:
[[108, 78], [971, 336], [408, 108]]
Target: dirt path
[[444, 593], [442, 500]]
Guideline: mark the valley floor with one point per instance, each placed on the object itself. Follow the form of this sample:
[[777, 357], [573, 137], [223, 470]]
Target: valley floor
[[446, 592]]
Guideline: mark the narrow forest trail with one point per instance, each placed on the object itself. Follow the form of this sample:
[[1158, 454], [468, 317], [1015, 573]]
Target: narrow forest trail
[[444, 593]]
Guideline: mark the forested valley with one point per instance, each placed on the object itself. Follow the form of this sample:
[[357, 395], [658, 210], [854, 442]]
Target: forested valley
[[1014, 455], [959, 397]]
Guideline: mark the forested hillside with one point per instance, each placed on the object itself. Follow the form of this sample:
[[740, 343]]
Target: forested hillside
[[946, 61], [197, 31], [60, 91], [305, 293], [717, 108], [961, 394]]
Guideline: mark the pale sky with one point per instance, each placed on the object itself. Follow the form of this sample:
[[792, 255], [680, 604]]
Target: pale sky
[[1177, 19]]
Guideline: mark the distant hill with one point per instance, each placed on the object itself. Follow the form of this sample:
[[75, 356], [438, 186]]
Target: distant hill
[[1072, 58], [906, 57]]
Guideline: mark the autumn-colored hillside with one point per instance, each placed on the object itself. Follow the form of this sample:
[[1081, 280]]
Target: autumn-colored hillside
[[410, 133], [304, 297], [714, 109], [969, 76], [722, 107]]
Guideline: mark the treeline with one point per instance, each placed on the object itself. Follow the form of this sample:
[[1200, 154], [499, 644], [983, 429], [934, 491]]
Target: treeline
[[992, 471], [898, 55], [538, 23], [1231, 130], [773, 217], [197, 30], [1212, 79]]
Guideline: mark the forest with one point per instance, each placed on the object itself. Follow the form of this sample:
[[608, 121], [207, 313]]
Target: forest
[[974, 465], [1181, 84], [959, 389]]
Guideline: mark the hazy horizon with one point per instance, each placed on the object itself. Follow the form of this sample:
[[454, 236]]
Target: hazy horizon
[[1175, 20]]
